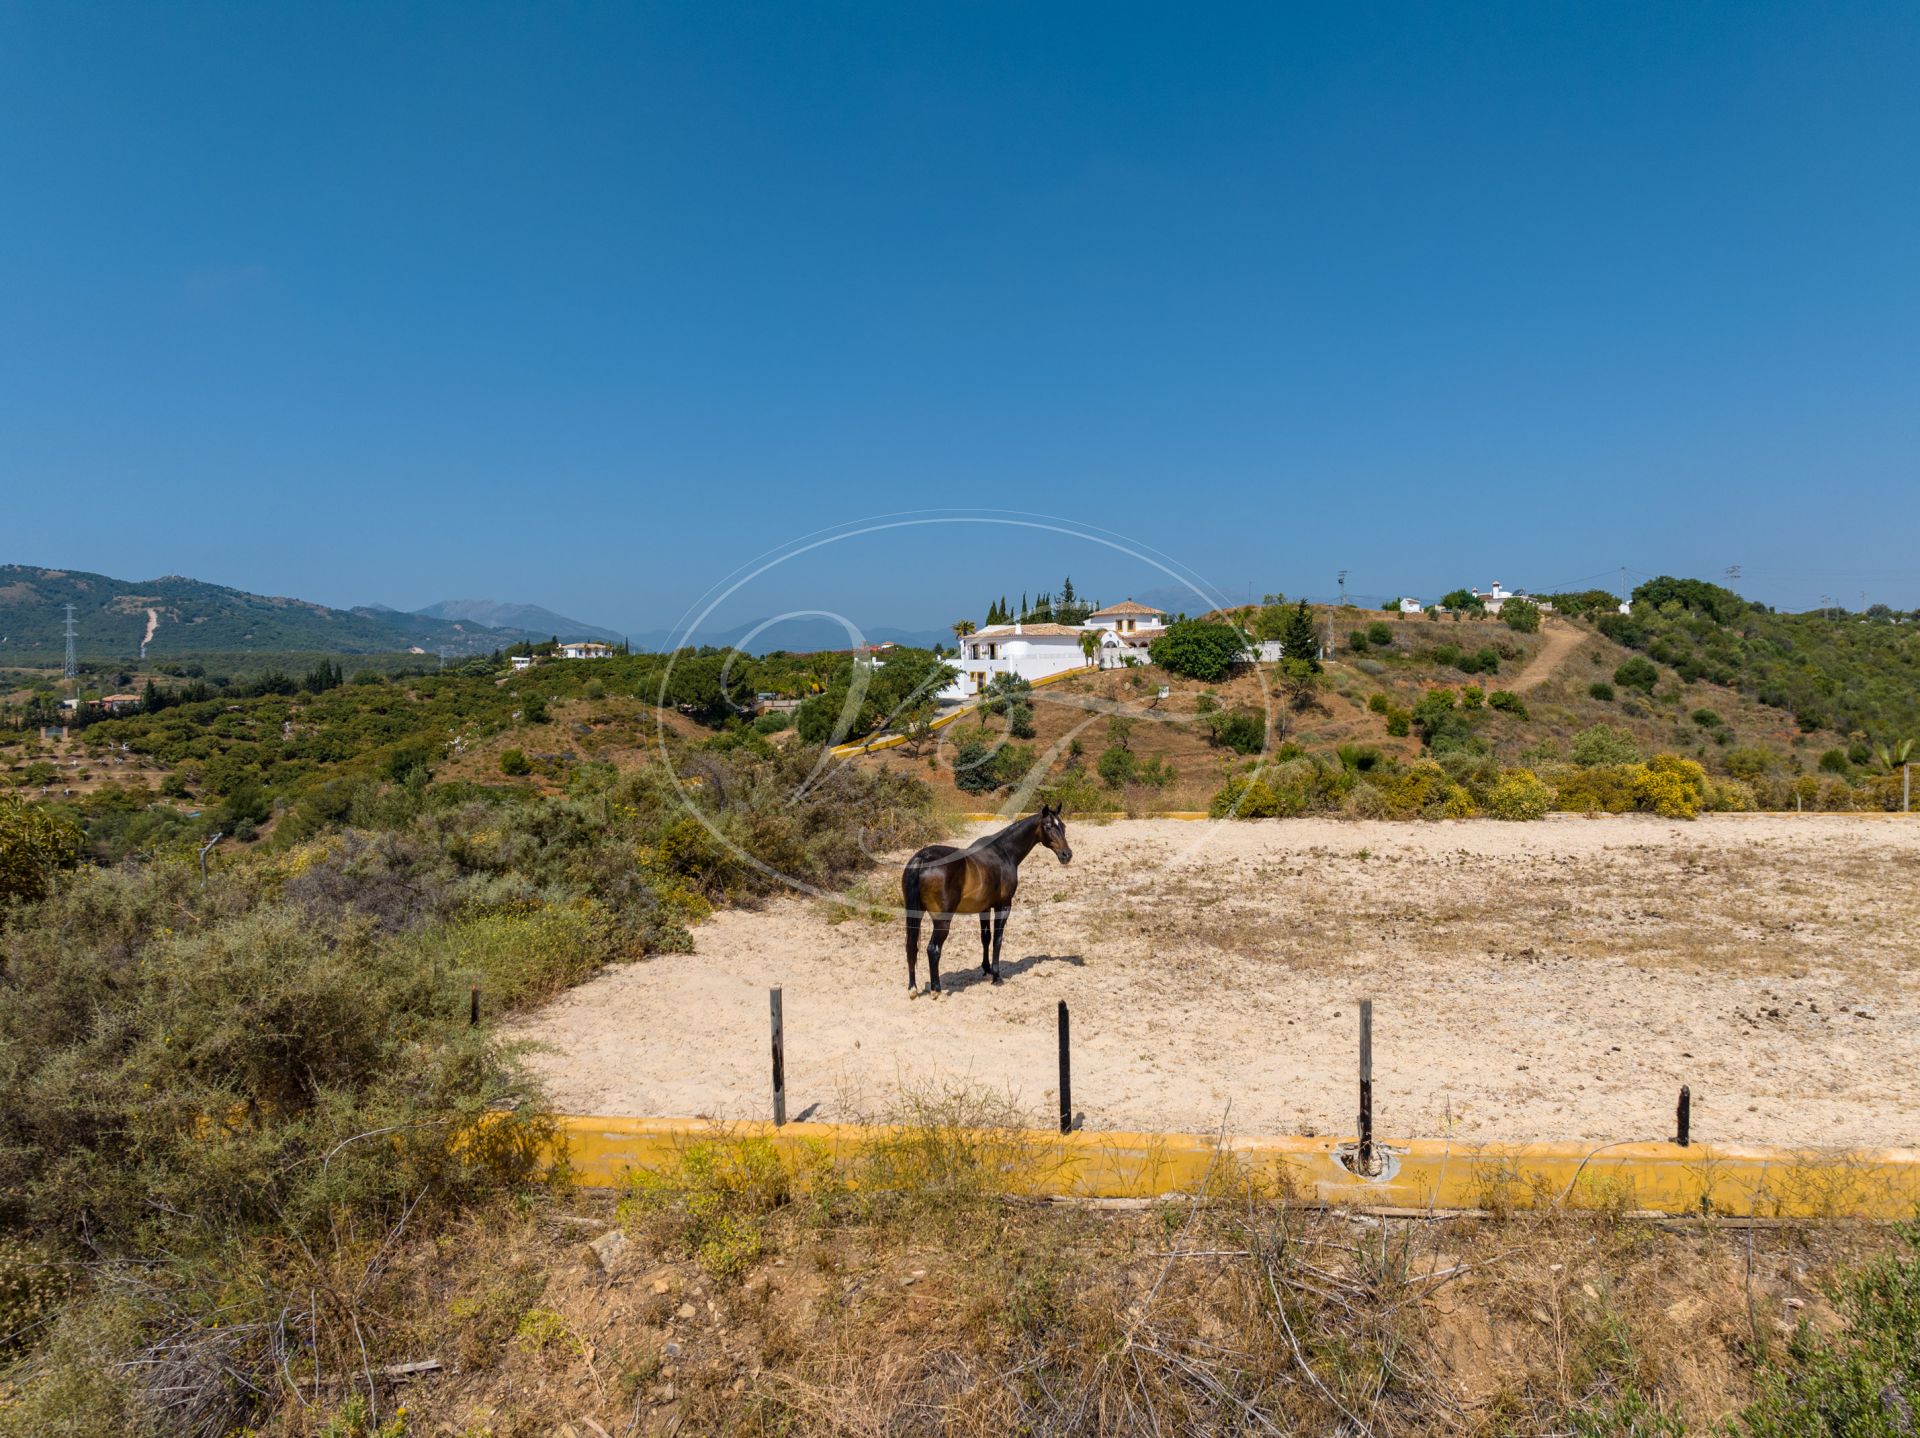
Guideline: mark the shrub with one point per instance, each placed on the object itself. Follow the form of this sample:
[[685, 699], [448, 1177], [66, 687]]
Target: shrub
[[1399, 723], [1507, 702], [1520, 794], [1730, 796], [1603, 744], [1423, 790], [1637, 673], [974, 769], [533, 709], [1020, 720], [1671, 787], [1357, 641], [1598, 788], [1202, 649], [1834, 761], [34, 846], [1380, 634], [1521, 615], [1117, 767], [514, 763], [1601, 690], [1379, 703], [773, 721], [1242, 730], [1707, 719], [1473, 696]]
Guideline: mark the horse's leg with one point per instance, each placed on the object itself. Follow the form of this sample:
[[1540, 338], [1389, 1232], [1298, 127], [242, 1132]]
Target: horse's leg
[[941, 923], [913, 950], [986, 941], [1000, 916]]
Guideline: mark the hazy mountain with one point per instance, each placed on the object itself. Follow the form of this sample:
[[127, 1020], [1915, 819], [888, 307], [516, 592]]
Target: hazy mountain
[[798, 635], [174, 616], [528, 617]]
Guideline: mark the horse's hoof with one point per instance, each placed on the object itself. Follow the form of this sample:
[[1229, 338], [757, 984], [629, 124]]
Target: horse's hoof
[[912, 992], [996, 981]]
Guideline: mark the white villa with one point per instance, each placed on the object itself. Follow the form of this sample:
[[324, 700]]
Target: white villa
[[1038, 651], [521, 662], [586, 649]]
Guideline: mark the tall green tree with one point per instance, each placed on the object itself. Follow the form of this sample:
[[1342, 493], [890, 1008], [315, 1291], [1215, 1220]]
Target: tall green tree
[[1298, 638]]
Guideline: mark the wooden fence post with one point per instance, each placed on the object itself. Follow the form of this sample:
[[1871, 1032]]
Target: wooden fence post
[[1366, 1085], [1066, 1075], [1683, 1118], [473, 1006], [779, 1061]]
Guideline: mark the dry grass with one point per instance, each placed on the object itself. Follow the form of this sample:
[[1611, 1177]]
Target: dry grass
[[935, 1307]]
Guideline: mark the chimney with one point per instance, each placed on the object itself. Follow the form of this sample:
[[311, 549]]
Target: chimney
[[1016, 626]]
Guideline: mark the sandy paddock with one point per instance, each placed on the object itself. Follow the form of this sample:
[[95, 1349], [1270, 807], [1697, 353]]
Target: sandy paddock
[[1556, 980]]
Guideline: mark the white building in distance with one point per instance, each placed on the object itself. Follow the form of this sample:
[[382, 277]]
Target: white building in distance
[[586, 649], [1120, 632]]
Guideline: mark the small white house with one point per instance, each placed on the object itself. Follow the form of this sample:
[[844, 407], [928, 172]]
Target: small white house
[[1497, 596], [1409, 606], [520, 661], [586, 649]]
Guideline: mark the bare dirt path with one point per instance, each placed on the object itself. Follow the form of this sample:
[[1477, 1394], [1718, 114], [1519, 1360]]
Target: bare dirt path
[[1555, 980], [1559, 642], [153, 624]]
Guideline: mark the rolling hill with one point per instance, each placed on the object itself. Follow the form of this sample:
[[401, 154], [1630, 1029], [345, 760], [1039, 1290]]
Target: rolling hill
[[175, 616]]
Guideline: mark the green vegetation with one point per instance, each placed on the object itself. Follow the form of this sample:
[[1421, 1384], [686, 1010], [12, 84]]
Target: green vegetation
[[1202, 649], [1521, 615], [1855, 673], [224, 1100]]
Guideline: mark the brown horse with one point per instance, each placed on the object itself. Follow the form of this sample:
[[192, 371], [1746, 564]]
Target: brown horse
[[980, 879]]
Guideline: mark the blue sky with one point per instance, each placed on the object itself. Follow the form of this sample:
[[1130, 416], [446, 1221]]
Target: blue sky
[[589, 304]]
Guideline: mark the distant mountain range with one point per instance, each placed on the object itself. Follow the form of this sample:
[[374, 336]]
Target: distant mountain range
[[174, 616], [799, 636], [528, 618]]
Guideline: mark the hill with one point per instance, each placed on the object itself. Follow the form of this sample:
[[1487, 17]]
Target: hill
[[1520, 701], [176, 616], [527, 618], [1857, 673]]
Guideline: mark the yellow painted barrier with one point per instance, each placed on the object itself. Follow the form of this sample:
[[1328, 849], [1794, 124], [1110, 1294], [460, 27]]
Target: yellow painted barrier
[[1419, 1174]]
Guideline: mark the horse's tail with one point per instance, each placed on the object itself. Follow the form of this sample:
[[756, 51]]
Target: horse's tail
[[910, 897]]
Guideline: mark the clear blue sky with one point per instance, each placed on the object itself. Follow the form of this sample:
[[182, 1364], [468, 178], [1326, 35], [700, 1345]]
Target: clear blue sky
[[586, 304]]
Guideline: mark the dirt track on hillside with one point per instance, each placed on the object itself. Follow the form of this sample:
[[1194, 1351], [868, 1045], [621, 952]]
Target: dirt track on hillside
[[1560, 641], [1531, 981]]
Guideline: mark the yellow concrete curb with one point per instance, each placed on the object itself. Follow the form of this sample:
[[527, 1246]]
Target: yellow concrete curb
[[1417, 1174]]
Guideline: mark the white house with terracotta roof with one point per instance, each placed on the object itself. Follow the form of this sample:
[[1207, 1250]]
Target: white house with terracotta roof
[[1128, 618], [586, 649], [1038, 651], [1032, 651]]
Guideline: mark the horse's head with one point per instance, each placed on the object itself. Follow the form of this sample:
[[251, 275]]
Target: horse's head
[[1053, 833]]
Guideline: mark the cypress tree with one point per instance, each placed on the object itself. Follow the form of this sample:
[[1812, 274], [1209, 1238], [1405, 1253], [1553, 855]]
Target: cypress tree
[[1297, 637]]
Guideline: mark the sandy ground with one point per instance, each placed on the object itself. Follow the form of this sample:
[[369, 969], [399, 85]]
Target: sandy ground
[[1556, 980]]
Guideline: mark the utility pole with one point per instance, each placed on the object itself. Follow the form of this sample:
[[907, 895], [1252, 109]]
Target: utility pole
[[1343, 589], [73, 662], [1733, 575]]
